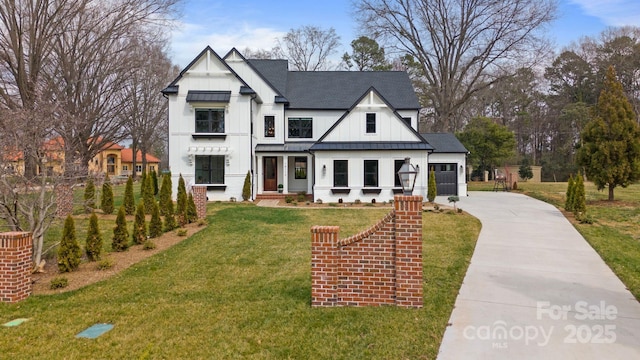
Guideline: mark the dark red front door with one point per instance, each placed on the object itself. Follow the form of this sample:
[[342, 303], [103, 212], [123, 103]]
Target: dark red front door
[[270, 173]]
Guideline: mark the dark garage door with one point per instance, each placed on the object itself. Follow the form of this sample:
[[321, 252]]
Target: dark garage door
[[446, 178]]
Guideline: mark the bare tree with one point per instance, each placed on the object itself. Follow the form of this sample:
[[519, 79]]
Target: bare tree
[[308, 48], [145, 112], [460, 47]]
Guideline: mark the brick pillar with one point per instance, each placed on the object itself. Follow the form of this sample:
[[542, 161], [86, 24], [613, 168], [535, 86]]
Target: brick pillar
[[15, 266], [324, 253], [408, 236], [64, 200], [200, 198]]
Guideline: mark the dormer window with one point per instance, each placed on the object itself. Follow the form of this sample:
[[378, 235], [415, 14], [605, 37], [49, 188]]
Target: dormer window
[[210, 121]]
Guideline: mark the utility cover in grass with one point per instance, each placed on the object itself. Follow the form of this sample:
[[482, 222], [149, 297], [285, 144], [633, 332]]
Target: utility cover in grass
[[95, 331], [15, 322]]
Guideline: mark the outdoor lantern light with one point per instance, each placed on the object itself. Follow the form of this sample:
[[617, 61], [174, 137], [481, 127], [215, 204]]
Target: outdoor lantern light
[[407, 174]]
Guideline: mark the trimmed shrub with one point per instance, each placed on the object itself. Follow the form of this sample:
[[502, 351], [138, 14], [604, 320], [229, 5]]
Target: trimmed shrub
[[181, 205], [89, 196], [169, 218], [154, 182], [93, 244], [139, 234], [106, 202], [246, 188], [192, 211], [165, 194], [148, 199], [568, 203], [155, 225], [105, 264], [129, 201], [432, 189], [69, 251], [579, 198], [148, 245], [120, 240], [58, 282]]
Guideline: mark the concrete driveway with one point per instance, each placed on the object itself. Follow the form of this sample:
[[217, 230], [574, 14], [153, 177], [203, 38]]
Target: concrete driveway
[[535, 289]]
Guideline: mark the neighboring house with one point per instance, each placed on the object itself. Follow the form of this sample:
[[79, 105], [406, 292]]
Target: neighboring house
[[114, 160], [153, 163], [333, 134]]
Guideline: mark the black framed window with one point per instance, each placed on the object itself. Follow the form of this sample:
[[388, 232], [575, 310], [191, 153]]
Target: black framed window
[[407, 120], [340, 173], [371, 173], [371, 123], [300, 167], [269, 126], [397, 164], [209, 120], [210, 169], [300, 128]]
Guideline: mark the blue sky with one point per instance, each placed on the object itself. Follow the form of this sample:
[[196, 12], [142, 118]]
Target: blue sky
[[257, 23]]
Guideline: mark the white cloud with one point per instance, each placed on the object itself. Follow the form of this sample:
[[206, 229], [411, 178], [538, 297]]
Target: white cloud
[[612, 12], [189, 39]]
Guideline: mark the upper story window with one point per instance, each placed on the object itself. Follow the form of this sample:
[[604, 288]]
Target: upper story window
[[301, 128], [269, 126], [209, 120], [371, 123], [371, 173]]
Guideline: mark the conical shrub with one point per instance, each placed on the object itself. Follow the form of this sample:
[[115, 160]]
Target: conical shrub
[[120, 240], [129, 201], [192, 211], [69, 251], [155, 225], [169, 218], [93, 244], [106, 202], [139, 234], [181, 205], [579, 198], [432, 189], [89, 195], [154, 182], [246, 188], [148, 198], [165, 194], [568, 203]]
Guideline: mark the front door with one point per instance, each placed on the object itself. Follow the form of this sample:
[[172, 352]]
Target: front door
[[270, 173]]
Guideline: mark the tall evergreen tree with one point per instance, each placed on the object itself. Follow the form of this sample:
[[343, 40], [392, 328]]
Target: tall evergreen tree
[[106, 201], [181, 206], [155, 225], [68, 251], [148, 197], [120, 240], [129, 201], [432, 189], [139, 234], [93, 244], [89, 195], [165, 194], [610, 149]]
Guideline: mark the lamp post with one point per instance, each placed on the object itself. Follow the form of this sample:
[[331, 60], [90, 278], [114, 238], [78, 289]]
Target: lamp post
[[407, 174]]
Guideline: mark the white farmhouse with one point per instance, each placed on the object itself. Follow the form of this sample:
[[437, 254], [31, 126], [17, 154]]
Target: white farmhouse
[[330, 134]]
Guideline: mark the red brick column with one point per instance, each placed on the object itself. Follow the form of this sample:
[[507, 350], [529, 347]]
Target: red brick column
[[64, 200], [200, 198], [408, 235], [324, 253], [15, 266]]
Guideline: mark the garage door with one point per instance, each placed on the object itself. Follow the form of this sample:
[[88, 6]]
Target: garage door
[[446, 178]]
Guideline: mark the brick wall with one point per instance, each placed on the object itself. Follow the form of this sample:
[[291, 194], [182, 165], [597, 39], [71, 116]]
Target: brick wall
[[379, 266], [64, 200], [200, 198], [15, 266]]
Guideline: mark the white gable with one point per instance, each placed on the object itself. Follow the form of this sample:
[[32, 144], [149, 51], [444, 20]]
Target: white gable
[[388, 127]]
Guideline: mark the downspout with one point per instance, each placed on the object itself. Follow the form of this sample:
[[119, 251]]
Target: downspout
[[251, 154]]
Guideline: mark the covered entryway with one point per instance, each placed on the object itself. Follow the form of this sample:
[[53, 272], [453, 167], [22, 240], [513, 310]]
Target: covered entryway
[[446, 178], [270, 165]]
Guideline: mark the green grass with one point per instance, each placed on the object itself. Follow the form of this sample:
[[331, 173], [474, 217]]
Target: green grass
[[241, 288], [615, 234]]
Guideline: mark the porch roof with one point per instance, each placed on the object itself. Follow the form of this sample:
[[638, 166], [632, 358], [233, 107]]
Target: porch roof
[[208, 96], [371, 145], [302, 146]]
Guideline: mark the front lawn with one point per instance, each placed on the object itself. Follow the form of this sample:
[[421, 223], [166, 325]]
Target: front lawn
[[241, 288]]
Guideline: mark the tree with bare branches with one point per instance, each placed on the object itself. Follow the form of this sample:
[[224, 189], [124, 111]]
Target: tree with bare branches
[[308, 48], [459, 47]]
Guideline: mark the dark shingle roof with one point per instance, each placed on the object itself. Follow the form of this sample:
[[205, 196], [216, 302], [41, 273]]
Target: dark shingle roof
[[444, 143], [370, 145], [335, 89]]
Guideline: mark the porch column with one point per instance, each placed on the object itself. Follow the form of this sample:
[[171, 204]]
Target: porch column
[[285, 174]]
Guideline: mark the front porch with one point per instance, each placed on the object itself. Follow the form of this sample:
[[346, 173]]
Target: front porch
[[279, 196], [285, 173]]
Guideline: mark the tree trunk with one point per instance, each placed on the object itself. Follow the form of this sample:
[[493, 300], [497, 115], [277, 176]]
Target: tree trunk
[[611, 187]]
